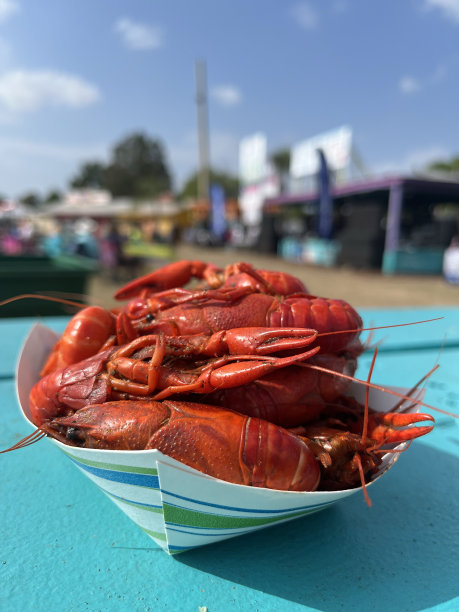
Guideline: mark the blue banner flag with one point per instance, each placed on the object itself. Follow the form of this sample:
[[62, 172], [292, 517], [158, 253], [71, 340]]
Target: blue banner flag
[[325, 229], [217, 200]]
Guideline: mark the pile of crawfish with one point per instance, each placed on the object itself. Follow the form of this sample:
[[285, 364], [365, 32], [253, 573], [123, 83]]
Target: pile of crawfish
[[242, 377]]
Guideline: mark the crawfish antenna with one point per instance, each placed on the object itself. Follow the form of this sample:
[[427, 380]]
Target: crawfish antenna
[[361, 329], [416, 386], [365, 429], [362, 479], [48, 298], [37, 435], [422, 380], [367, 399]]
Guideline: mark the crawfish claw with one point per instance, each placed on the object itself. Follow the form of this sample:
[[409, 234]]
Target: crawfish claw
[[398, 419], [263, 341], [173, 275], [383, 427]]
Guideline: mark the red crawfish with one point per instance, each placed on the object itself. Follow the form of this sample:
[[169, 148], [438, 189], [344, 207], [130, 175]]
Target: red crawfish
[[346, 455], [241, 274], [89, 331], [212, 312], [115, 374], [293, 395], [218, 442], [348, 445]]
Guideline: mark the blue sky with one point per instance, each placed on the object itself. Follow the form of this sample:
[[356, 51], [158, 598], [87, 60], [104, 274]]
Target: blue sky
[[77, 76]]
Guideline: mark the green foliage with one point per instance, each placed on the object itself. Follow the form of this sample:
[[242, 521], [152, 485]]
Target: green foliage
[[31, 199], [445, 166], [52, 197], [91, 175], [136, 169], [281, 160], [229, 183]]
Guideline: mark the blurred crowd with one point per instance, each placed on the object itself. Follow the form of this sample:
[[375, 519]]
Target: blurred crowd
[[107, 242]]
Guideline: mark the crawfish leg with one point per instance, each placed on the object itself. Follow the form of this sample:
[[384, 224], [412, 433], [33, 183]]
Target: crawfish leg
[[130, 367]]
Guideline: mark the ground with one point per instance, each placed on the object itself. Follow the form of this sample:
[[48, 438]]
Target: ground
[[361, 288]]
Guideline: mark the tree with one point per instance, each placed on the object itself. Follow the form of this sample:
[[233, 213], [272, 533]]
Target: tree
[[91, 174], [137, 168], [31, 199], [281, 162], [445, 166], [229, 183], [52, 197]]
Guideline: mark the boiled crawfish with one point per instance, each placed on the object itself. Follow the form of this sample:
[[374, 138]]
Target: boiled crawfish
[[240, 296], [88, 332], [218, 442], [230, 446], [293, 395], [115, 374], [169, 341], [349, 446], [211, 313], [242, 274], [266, 299]]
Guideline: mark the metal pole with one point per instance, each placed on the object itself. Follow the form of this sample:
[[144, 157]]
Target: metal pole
[[203, 130]]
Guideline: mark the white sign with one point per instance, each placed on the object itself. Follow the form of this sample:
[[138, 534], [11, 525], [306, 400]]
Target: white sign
[[336, 145], [253, 158], [252, 198]]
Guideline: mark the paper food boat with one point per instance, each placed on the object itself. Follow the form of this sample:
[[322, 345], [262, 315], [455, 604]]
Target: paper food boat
[[177, 506]]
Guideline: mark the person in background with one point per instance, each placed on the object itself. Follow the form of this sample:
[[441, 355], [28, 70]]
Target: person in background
[[85, 243], [111, 246], [451, 261], [51, 243]]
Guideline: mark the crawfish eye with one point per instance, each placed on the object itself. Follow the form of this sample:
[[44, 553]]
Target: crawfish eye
[[149, 317], [74, 435]]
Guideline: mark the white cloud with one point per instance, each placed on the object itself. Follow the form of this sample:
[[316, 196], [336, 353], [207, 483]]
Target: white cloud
[[449, 8], [420, 158], [439, 74], [23, 91], [224, 151], [27, 165], [409, 85], [226, 95], [184, 157], [137, 35], [7, 9], [415, 160], [340, 6], [30, 148], [5, 54], [305, 15]]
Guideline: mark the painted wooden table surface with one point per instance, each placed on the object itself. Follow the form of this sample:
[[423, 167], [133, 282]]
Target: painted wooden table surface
[[65, 546]]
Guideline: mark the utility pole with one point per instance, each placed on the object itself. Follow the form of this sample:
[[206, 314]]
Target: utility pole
[[203, 130]]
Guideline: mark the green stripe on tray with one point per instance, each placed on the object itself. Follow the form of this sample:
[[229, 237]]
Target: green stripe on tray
[[154, 534], [112, 466], [142, 506], [191, 518]]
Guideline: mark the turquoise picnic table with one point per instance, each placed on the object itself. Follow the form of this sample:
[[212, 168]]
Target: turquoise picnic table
[[65, 546]]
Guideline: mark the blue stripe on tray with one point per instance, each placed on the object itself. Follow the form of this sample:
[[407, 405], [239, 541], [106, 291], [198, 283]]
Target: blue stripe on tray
[[140, 480], [147, 480], [178, 549], [222, 531], [239, 509]]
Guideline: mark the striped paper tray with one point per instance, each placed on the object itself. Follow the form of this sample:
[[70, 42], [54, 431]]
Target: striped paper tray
[[177, 506]]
